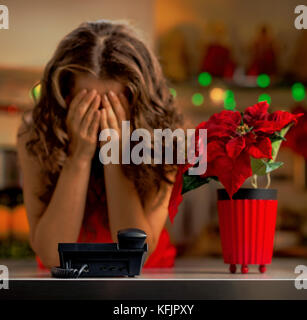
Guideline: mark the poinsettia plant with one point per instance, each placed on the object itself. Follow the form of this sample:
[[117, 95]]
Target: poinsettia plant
[[239, 145]]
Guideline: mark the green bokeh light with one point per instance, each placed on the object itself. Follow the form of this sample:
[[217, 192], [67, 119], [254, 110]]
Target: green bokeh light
[[298, 92], [230, 104], [263, 80], [36, 91], [204, 79], [229, 94], [265, 97], [173, 92], [197, 99], [229, 100]]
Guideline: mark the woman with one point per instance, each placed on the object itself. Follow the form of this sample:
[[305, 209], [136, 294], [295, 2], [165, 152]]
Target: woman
[[100, 74]]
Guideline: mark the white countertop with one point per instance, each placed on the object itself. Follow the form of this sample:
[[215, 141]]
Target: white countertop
[[191, 278]]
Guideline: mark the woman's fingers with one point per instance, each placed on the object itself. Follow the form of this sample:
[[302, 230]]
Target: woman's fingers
[[117, 107], [103, 119], [104, 125], [84, 104], [111, 116], [87, 119], [94, 125], [75, 102]]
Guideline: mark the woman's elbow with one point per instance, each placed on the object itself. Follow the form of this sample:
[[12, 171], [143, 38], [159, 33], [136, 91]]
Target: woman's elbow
[[48, 257], [151, 244], [49, 261]]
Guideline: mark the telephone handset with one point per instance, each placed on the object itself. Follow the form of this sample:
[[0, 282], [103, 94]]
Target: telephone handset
[[125, 258]]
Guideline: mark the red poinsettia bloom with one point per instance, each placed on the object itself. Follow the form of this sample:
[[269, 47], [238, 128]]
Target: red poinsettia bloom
[[237, 137], [265, 123], [232, 138]]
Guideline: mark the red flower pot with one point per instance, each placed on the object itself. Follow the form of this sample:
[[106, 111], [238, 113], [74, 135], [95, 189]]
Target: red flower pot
[[247, 227]]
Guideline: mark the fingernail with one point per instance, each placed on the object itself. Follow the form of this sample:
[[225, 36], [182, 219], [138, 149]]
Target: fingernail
[[112, 93], [105, 97]]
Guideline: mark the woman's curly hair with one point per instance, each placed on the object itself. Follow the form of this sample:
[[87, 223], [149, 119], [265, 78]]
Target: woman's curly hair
[[108, 50]]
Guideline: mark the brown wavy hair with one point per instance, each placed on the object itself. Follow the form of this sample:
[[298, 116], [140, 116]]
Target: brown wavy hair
[[108, 50]]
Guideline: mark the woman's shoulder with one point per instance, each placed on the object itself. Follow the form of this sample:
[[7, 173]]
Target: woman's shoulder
[[25, 124]]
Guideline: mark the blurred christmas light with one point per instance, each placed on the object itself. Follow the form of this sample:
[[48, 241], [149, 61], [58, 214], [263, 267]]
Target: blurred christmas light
[[12, 109], [230, 105], [197, 99], [229, 100], [173, 92], [217, 95], [229, 94], [298, 91], [204, 79], [36, 91], [265, 97], [263, 80]]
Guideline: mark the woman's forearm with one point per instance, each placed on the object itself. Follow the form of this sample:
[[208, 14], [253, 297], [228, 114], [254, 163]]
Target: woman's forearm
[[124, 206], [62, 219]]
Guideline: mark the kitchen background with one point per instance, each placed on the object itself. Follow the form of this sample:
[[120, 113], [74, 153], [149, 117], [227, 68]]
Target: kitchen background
[[216, 54]]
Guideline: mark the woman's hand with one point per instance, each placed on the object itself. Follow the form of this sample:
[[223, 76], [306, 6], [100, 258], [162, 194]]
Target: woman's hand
[[115, 110], [129, 212], [82, 124]]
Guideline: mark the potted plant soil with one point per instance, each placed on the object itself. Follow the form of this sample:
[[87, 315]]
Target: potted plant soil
[[240, 146]]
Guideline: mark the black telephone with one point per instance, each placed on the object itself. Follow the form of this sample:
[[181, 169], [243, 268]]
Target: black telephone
[[125, 258]]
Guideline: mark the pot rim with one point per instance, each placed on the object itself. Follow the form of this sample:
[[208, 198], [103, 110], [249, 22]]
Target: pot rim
[[249, 194]]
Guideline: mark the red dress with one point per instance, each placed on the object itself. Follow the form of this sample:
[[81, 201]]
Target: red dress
[[95, 228]]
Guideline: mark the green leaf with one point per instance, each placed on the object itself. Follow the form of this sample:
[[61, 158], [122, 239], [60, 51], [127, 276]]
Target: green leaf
[[277, 137], [258, 166], [192, 182], [271, 166], [277, 143], [242, 114], [261, 167]]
